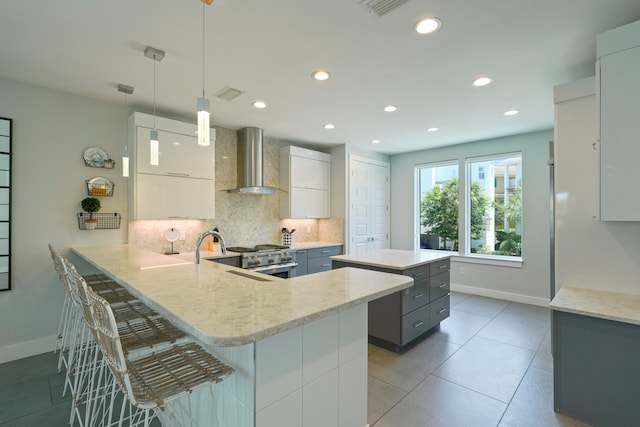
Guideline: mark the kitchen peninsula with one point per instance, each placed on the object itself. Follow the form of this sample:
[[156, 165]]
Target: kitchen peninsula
[[400, 319], [298, 346]]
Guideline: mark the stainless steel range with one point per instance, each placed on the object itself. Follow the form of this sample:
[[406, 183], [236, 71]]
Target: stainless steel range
[[274, 260]]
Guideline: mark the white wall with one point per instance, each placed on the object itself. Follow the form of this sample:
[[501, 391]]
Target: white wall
[[50, 132], [528, 283]]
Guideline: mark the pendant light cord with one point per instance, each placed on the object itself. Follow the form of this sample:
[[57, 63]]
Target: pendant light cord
[[154, 91], [203, 38]]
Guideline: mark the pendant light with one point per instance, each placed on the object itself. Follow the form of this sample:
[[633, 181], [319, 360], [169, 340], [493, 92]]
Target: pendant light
[[127, 90], [203, 103], [154, 145]]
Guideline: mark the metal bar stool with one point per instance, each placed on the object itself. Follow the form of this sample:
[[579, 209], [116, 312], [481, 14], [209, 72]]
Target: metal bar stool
[[152, 380], [140, 327]]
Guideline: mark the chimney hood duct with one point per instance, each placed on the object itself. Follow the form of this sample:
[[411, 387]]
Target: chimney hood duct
[[250, 163]]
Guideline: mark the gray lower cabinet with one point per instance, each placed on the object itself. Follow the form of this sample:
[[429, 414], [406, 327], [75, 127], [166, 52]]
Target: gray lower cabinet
[[315, 260], [596, 369], [399, 319]]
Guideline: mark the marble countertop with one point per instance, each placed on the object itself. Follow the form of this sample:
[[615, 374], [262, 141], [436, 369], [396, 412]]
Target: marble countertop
[[595, 303], [393, 258], [227, 306]]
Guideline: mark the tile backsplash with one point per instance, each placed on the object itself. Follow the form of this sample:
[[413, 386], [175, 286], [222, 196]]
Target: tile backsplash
[[243, 220]]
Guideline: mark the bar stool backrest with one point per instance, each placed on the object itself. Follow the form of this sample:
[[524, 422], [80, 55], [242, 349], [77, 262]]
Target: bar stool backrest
[[79, 292], [109, 341], [58, 263]]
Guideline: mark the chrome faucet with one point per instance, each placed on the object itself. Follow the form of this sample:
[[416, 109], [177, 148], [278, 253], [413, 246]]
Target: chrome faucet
[[215, 233]]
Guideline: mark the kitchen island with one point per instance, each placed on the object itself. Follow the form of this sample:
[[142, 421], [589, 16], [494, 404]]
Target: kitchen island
[[399, 320], [298, 346]]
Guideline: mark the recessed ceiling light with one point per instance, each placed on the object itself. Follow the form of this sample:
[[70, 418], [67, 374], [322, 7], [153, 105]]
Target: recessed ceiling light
[[376, 141], [329, 126], [259, 104], [390, 108], [427, 25], [482, 81], [320, 75], [434, 129], [511, 112]]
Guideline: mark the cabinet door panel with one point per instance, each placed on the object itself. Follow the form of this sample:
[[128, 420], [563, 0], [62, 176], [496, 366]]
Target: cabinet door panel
[[620, 136], [439, 310], [179, 155], [160, 196], [416, 296], [309, 173], [316, 265], [309, 203]]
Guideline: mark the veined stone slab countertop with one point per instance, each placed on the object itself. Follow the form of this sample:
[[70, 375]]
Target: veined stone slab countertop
[[595, 303], [227, 306], [396, 259]]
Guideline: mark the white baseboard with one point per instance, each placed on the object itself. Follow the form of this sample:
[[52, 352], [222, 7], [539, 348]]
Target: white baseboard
[[24, 349], [508, 296]]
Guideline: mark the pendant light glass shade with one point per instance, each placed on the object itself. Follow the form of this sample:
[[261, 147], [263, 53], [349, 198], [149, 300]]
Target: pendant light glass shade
[[125, 162], [154, 148], [203, 121]]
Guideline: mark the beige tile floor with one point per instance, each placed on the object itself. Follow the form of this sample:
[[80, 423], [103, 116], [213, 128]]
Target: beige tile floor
[[489, 364]]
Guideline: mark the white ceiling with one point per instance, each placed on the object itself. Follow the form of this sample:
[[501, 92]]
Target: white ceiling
[[268, 49]]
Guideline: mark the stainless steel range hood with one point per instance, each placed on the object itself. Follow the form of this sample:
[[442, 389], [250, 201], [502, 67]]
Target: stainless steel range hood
[[250, 163]]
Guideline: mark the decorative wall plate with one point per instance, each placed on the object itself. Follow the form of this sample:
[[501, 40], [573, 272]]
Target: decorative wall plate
[[94, 157]]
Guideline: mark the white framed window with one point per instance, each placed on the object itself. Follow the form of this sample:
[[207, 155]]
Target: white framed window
[[493, 206]]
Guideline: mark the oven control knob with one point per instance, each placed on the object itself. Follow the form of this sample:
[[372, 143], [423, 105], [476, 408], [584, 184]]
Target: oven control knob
[[270, 261]]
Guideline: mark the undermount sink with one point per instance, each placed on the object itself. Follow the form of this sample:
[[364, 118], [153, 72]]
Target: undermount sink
[[248, 276]]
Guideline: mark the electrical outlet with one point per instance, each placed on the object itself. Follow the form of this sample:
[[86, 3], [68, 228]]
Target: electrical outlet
[[462, 271], [183, 235]]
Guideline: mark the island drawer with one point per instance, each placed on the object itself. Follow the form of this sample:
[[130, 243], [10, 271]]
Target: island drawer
[[315, 265], [439, 310], [415, 296], [415, 324], [438, 267], [439, 286]]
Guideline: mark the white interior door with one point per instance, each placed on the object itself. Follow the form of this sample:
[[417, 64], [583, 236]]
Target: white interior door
[[369, 218]]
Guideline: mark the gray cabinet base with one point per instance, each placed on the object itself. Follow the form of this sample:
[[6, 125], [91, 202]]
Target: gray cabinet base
[[596, 369], [403, 348]]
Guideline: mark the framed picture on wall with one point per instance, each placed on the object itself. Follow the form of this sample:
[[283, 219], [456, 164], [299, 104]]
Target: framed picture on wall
[[5, 204]]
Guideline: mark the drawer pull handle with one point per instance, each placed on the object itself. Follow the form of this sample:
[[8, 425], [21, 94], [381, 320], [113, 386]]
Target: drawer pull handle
[[326, 251], [442, 266], [325, 265], [418, 274], [178, 174], [444, 285], [442, 310], [418, 296], [418, 324]]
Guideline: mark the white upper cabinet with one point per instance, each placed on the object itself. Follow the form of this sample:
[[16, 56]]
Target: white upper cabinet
[[182, 184], [618, 90], [180, 155], [305, 175]]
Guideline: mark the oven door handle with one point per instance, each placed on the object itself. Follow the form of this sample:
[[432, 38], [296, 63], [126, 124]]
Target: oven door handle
[[274, 268]]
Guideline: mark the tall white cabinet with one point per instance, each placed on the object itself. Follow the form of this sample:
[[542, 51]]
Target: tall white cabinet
[[306, 176], [182, 185], [618, 90]]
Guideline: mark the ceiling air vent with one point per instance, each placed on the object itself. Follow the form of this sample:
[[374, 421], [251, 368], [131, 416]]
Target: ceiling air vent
[[228, 93], [381, 7]]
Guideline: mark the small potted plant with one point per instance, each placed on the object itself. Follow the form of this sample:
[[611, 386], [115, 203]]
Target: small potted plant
[[91, 205]]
